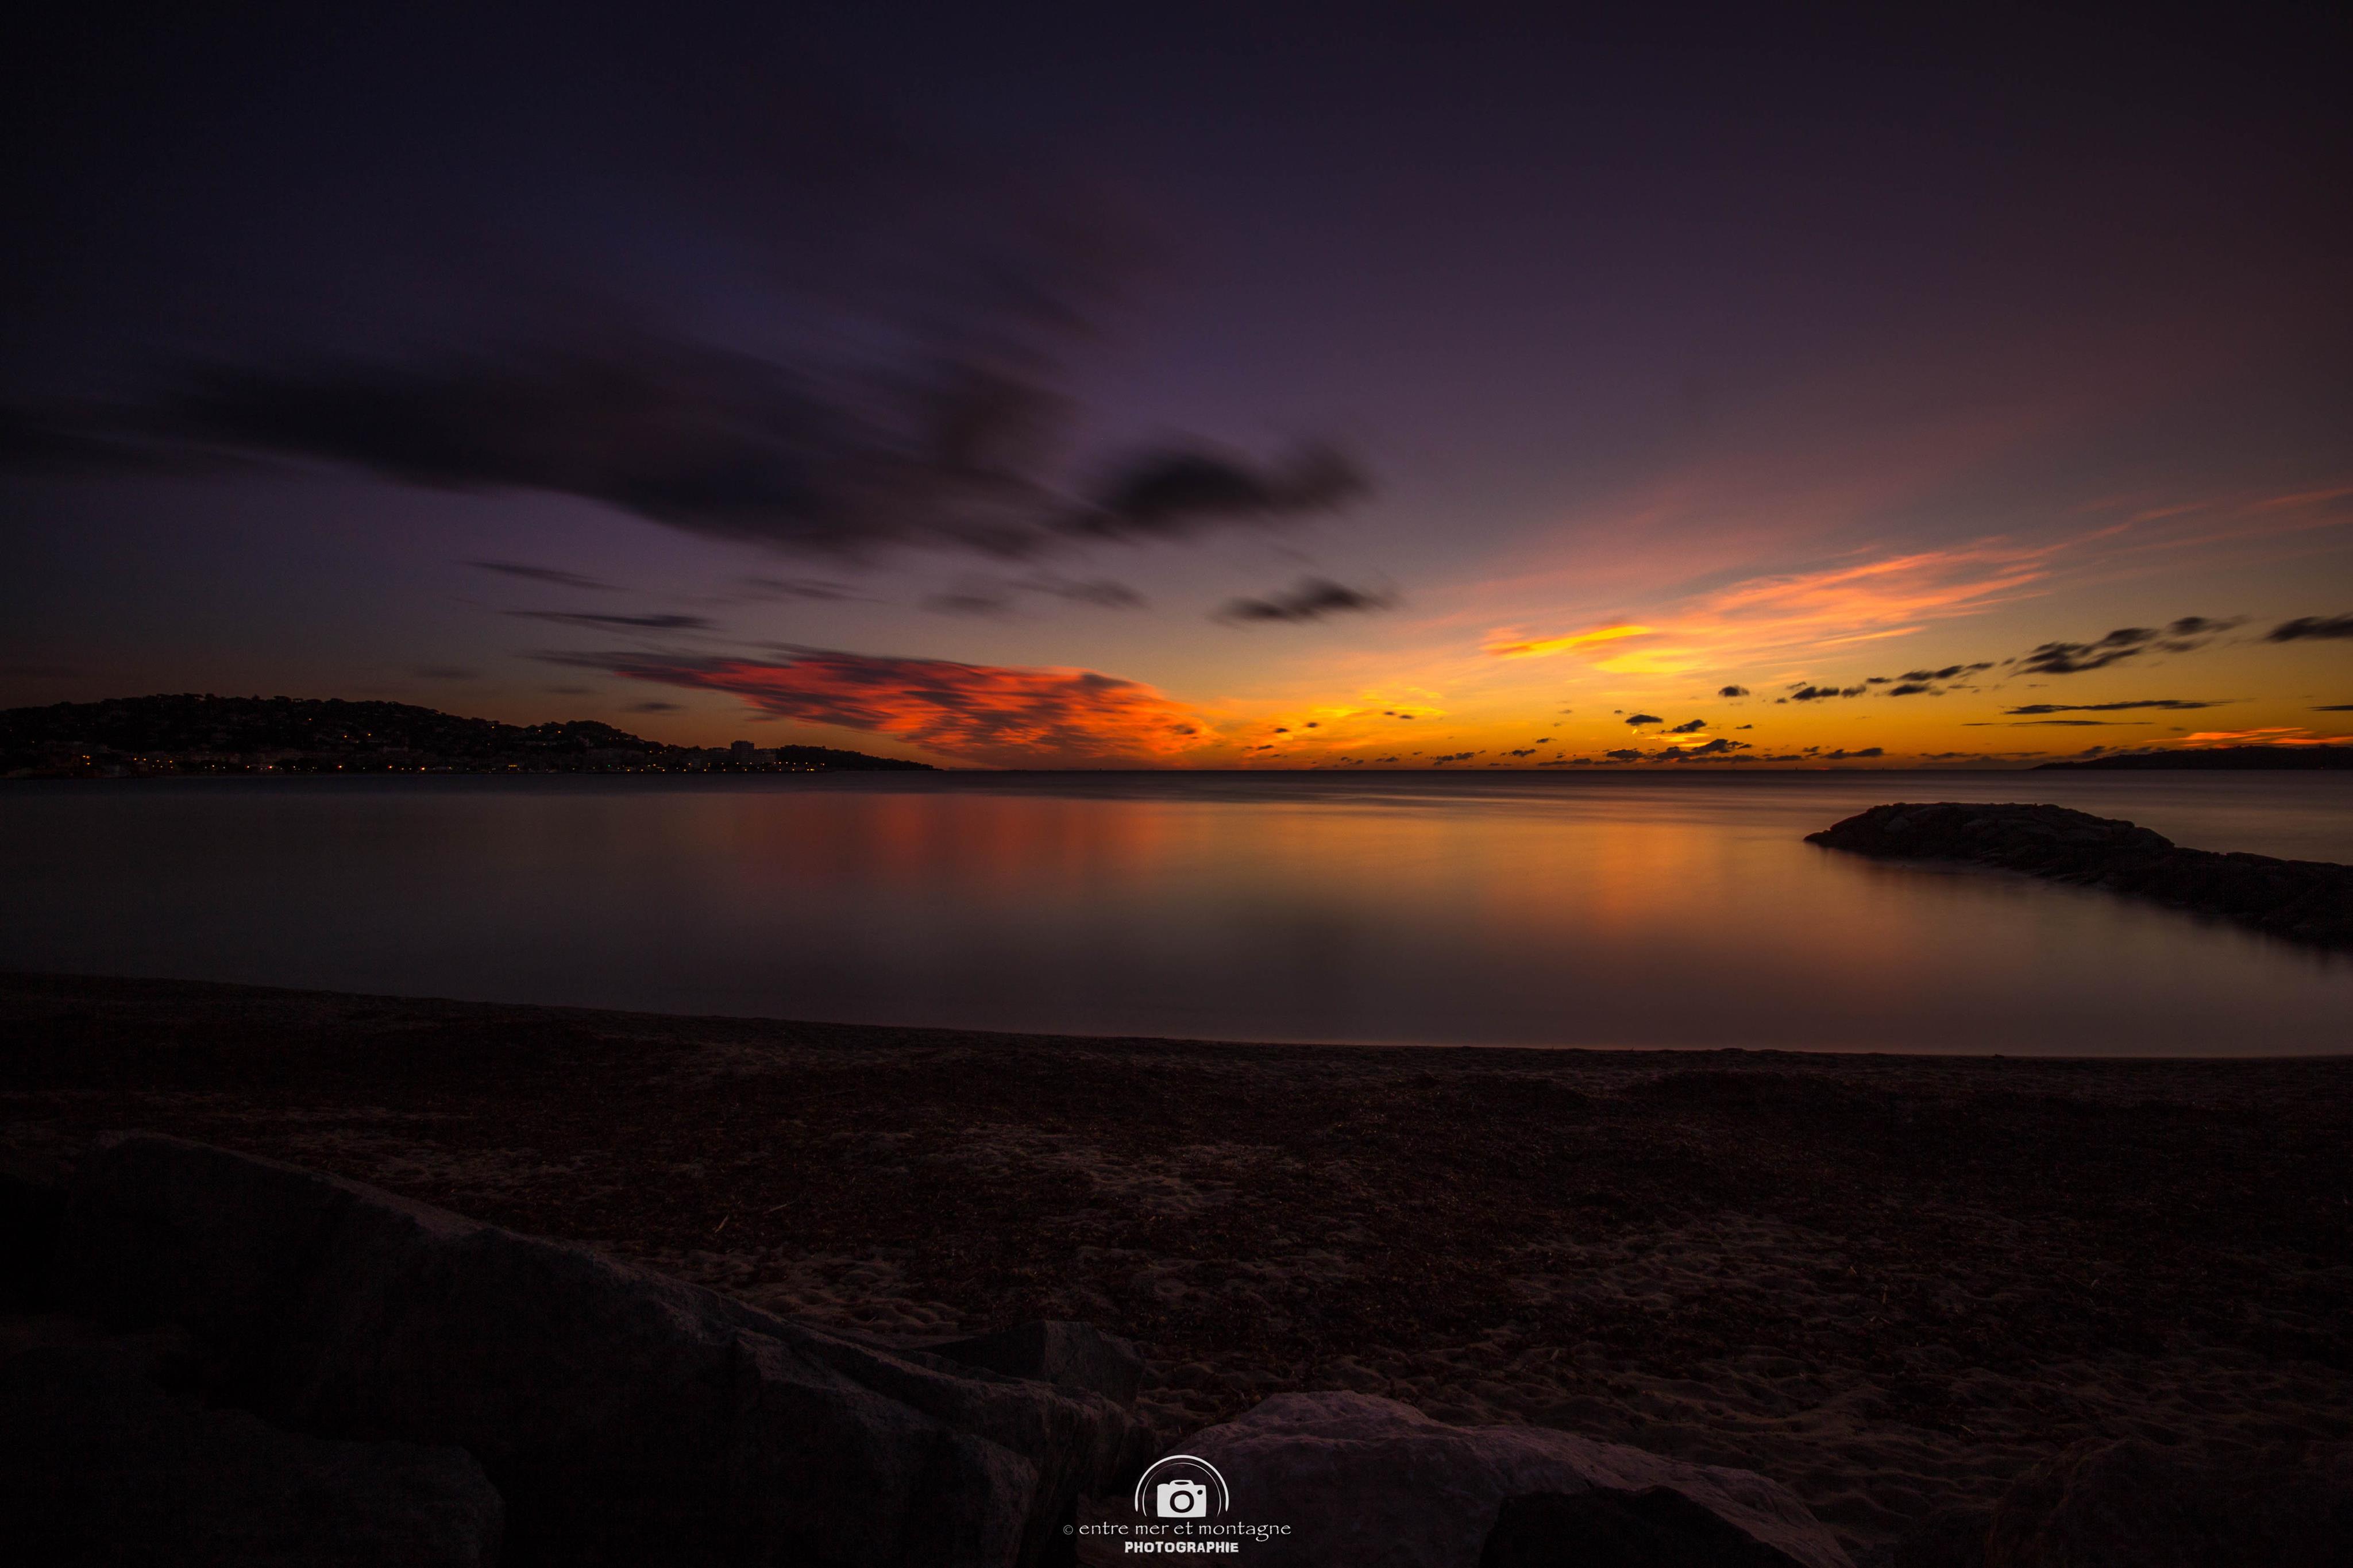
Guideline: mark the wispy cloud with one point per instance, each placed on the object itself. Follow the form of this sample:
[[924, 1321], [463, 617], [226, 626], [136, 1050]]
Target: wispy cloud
[[646, 623], [1825, 608], [554, 577], [2171, 704], [2269, 735]]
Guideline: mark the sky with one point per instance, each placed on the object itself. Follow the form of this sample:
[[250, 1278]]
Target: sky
[[1212, 386]]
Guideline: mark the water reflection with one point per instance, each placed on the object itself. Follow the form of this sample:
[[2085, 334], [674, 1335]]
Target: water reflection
[[1523, 911]]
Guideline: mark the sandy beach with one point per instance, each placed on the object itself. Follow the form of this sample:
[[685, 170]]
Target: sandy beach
[[1891, 1282]]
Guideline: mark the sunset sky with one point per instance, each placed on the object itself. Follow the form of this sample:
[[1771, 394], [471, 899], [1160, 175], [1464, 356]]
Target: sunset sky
[[1211, 386]]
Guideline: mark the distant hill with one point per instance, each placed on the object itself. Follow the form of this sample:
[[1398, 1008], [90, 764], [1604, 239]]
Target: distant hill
[[2221, 758], [206, 734]]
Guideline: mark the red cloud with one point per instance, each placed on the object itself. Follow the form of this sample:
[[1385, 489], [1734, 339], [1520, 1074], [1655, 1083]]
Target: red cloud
[[974, 712]]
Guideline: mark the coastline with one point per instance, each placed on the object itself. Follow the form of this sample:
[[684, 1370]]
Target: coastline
[[1893, 1283]]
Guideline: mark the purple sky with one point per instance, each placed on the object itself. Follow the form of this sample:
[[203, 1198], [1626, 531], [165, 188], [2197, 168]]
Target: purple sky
[[1207, 385]]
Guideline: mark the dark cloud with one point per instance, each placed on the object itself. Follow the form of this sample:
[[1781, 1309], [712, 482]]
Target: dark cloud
[[1719, 748], [1732, 691], [956, 451], [657, 707], [2190, 633], [1100, 592], [968, 602], [553, 576], [1644, 719], [823, 333], [1309, 599], [2185, 636], [650, 623], [2075, 657], [2309, 627], [1688, 727], [1947, 673], [997, 597], [811, 588], [2171, 704], [1170, 494], [1909, 688], [1843, 756], [1817, 693], [1624, 755], [2335, 708]]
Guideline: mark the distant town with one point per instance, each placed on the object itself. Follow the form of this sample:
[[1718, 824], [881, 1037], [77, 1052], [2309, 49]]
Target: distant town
[[142, 737]]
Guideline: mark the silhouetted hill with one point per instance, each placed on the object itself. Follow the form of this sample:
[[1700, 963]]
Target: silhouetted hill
[[191, 733], [2221, 758]]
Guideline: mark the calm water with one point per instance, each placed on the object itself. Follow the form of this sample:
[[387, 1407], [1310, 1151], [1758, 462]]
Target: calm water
[[1595, 909]]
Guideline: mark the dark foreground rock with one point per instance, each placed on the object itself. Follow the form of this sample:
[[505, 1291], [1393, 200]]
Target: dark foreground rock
[[1656, 1528], [1375, 1484], [2301, 900], [99, 1465], [624, 1417], [2133, 1504]]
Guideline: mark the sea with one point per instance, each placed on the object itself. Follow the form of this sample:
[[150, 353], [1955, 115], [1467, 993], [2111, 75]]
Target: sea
[[1495, 909]]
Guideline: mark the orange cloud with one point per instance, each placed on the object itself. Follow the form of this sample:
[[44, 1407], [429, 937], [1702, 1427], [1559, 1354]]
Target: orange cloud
[[2276, 735], [1503, 644], [993, 714], [1806, 612]]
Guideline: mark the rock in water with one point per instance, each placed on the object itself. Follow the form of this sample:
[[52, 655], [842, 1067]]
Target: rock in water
[[626, 1417], [2301, 901], [1375, 1484], [97, 1464]]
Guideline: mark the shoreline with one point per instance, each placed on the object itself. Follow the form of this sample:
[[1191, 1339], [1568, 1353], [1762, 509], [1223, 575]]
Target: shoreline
[[1891, 1282]]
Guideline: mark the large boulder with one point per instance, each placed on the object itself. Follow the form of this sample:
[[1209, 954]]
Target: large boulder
[[623, 1415], [1068, 1356], [99, 1464], [1376, 1484], [2134, 1504], [1656, 1528]]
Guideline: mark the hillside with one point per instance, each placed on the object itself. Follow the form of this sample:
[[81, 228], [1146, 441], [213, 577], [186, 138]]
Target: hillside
[[187, 733]]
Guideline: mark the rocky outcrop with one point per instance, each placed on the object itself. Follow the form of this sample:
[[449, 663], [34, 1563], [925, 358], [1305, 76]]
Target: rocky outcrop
[[2133, 1504], [1376, 1484], [1658, 1528], [624, 1416], [1076, 1356], [2301, 900], [99, 1464]]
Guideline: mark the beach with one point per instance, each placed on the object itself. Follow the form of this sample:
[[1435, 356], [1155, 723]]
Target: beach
[[1893, 1283]]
